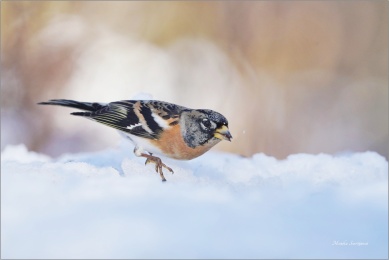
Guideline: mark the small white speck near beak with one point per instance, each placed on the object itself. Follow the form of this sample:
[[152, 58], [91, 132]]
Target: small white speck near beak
[[223, 133]]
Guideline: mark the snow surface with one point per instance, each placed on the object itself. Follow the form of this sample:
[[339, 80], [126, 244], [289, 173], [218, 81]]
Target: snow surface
[[109, 205]]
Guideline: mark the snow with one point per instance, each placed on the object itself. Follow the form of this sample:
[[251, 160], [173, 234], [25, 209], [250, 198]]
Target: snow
[[107, 204]]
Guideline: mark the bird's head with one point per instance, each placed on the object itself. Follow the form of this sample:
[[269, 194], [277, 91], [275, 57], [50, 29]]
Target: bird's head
[[205, 126]]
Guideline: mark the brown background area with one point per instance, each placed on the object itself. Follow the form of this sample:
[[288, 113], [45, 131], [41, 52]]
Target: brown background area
[[291, 76]]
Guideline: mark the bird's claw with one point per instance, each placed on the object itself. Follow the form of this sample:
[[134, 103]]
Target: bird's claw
[[158, 164]]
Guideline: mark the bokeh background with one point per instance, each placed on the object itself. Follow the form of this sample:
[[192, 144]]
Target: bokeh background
[[290, 76]]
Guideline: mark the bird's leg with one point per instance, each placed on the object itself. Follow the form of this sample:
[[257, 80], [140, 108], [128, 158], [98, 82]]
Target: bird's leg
[[158, 164]]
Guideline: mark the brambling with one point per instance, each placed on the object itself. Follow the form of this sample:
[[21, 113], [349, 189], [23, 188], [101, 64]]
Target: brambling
[[157, 127]]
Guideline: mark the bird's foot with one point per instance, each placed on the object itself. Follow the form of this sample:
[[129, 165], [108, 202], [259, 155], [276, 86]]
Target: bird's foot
[[158, 164]]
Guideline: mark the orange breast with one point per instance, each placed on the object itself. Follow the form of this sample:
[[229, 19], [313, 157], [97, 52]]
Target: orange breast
[[173, 145]]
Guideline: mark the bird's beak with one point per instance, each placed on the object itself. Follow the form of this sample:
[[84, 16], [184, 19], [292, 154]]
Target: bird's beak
[[223, 133]]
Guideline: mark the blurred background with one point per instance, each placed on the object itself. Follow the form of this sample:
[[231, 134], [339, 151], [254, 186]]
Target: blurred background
[[290, 76]]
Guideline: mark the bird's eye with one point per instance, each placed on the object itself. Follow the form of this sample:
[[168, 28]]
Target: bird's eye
[[206, 123]]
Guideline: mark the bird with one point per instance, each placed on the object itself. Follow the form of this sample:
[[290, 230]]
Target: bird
[[157, 127]]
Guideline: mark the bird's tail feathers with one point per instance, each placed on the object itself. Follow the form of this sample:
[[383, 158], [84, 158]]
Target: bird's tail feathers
[[87, 114], [86, 106]]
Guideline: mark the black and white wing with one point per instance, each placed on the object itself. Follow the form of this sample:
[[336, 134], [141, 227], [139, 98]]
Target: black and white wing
[[145, 119]]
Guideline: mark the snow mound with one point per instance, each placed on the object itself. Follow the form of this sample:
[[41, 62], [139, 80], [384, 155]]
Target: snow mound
[[110, 205]]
